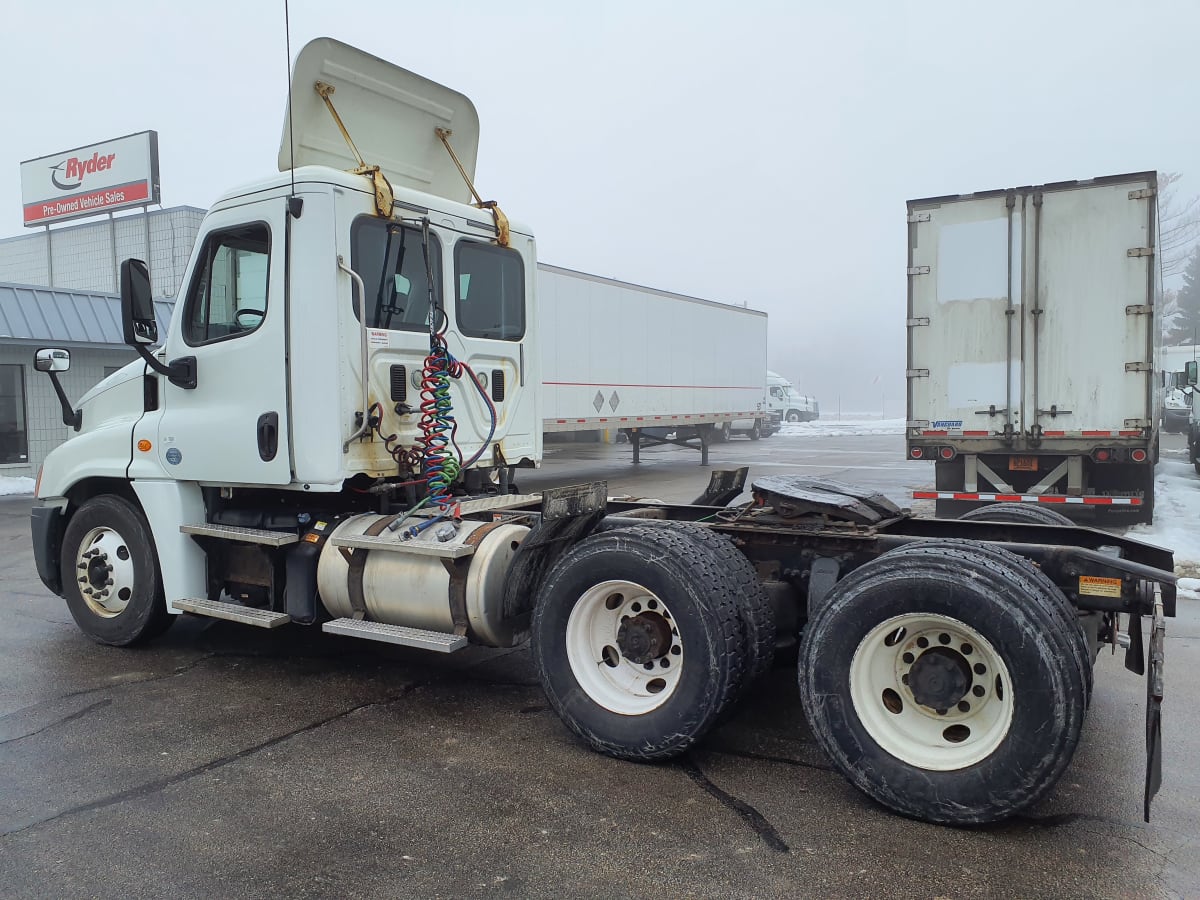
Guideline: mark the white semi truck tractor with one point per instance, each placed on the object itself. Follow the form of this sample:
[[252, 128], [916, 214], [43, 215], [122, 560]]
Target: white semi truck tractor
[[325, 435]]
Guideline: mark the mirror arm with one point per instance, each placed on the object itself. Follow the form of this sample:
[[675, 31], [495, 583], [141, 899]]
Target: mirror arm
[[180, 372], [70, 416]]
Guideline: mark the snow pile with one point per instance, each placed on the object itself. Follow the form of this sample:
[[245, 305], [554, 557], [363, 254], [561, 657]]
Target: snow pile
[[858, 424], [10, 486], [1176, 520]]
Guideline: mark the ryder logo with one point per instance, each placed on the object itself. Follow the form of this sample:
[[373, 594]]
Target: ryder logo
[[69, 174]]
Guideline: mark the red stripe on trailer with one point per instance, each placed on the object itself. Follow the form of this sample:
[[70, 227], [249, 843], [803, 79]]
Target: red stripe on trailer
[[975, 433], [1028, 498], [1097, 434], [1129, 433], [935, 433], [1054, 434]]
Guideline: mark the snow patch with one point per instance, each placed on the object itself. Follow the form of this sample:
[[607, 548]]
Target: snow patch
[[10, 485], [845, 425], [1176, 518]]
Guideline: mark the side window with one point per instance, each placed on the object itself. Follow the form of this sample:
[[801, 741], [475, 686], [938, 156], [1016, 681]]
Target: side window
[[489, 287], [391, 262], [228, 296]]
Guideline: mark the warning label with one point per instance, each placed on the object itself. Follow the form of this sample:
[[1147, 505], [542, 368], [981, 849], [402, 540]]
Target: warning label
[[1099, 587]]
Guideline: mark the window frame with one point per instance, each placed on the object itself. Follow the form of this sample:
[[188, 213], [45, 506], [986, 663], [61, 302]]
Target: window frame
[[24, 411], [205, 266], [458, 305], [437, 262]]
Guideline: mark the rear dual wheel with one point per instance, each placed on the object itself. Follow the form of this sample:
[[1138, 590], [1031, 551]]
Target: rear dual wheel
[[926, 676]]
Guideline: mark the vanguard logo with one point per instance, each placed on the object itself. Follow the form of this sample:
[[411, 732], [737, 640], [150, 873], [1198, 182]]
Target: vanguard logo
[[72, 170]]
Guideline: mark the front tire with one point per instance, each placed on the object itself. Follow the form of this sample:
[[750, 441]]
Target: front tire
[[755, 432], [110, 574], [638, 641], [935, 686], [793, 416]]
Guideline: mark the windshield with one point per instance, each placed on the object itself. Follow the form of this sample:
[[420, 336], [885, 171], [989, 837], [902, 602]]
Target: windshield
[[388, 258]]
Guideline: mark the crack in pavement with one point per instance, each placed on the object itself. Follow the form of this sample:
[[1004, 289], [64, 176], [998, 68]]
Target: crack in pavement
[[174, 673], [765, 757], [751, 816], [160, 784], [78, 714]]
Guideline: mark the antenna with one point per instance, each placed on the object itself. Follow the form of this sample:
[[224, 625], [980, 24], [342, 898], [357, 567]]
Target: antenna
[[293, 207]]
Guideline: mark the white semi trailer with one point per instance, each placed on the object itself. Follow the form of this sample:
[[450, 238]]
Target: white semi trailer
[[1032, 345], [646, 362], [322, 439]]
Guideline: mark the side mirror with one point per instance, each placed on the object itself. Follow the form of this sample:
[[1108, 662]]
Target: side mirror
[[52, 360], [1191, 369], [137, 304]]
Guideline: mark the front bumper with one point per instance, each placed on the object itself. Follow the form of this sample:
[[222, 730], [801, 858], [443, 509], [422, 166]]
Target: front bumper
[[45, 524]]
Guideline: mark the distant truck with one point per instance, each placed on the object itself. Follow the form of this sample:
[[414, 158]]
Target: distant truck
[[646, 362], [787, 404], [1033, 342]]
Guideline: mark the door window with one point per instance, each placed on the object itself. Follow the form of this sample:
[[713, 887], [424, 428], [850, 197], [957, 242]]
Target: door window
[[228, 296]]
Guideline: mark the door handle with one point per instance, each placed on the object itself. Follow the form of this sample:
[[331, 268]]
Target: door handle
[[268, 436]]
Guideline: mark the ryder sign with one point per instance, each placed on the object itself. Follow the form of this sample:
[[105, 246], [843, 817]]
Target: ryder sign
[[98, 178]]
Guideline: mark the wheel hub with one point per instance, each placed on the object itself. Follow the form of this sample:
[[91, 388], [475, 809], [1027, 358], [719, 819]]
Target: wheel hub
[[940, 678], [644, 638]]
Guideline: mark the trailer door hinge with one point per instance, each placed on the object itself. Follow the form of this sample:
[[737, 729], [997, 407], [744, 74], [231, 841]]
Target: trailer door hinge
[[917, 373], [1137, 309], [919, 320], [1143, 194], [1140, 251], [1137, 423], [1139, 367], [913, 218], [918, 270]]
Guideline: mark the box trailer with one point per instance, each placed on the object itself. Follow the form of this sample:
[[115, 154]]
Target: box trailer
[[645, 361], [1032, 342]]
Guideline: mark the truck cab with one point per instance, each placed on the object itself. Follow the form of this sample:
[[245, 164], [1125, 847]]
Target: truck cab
[[787, 403], [297, 360]]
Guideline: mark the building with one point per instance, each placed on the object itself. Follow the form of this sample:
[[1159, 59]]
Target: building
[[87, 324], [86, 257]]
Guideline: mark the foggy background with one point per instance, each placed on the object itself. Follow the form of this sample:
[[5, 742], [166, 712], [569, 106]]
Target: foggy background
[[756, 152]]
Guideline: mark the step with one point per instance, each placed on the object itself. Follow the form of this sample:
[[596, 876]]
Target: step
[[238, 533], [418, 546], [396, 634], [498, 501], [234, 612]]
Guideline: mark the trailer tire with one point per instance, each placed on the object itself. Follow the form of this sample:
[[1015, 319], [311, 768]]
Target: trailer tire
[[877, 725], [755, 431], [108, 540], [1074, 638], [651, 691], [1021, 513]]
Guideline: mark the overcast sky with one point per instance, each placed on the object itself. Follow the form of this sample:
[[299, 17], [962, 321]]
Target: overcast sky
[[749, 152]]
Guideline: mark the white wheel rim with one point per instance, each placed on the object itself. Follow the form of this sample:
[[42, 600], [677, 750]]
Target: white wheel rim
[[600, 656], [104, 569], [921, 656]]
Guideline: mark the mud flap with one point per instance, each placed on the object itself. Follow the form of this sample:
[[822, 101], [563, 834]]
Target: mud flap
[[1154, 698]]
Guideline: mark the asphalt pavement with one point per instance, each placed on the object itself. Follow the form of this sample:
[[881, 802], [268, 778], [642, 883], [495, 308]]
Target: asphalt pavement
[[223, 760]]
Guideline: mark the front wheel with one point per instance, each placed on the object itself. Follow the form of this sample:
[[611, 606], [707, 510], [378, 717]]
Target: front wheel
[[755, 432], [110, 573], [793, 416], [638, 641], [935, 685]]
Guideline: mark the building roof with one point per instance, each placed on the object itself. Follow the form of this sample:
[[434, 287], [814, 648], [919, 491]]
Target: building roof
[[50, 315]]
